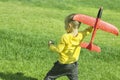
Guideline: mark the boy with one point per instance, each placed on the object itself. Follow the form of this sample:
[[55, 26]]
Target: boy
[[68, 50]]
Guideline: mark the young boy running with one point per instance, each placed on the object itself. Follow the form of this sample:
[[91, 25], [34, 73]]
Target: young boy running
[[68, 50]]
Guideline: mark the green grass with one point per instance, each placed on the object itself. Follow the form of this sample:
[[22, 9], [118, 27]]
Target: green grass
[[27, 25]]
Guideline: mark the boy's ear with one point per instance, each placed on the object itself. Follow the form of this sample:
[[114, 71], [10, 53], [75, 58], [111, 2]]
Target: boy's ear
[[70, 25]]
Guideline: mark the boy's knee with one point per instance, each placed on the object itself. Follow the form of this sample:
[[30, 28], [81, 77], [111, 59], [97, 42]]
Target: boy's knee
[[72, 77], [48, 78]]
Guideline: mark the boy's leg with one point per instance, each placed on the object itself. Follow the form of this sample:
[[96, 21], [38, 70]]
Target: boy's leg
[[73, 75], [58, 70], [55, 72]]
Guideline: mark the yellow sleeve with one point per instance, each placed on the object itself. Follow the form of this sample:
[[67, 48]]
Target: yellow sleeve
[[60, 46], [87, 31]]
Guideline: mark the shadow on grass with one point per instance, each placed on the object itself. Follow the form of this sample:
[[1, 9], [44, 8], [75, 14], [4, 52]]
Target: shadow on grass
[[16, 76]]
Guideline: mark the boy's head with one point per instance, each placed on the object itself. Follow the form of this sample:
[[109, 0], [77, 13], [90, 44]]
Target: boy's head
[[71, 24]]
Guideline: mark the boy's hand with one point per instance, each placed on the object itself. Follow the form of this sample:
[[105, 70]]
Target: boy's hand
[[50, 42]]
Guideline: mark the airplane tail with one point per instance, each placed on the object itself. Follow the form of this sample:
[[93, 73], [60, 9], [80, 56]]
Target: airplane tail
[[90, 47]]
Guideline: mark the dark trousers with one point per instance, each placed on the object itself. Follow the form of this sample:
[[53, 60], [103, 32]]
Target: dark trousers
[[58, 70]]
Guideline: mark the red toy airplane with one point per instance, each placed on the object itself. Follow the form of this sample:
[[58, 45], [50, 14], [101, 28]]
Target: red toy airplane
[[96, 23]]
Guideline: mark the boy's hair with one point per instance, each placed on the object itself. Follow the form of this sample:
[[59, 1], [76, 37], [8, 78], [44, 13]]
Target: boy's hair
[[69, 19]]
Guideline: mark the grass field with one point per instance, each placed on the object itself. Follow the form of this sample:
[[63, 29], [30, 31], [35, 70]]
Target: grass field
[[27, 25]]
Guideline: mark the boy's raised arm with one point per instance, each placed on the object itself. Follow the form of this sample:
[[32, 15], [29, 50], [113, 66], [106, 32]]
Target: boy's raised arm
[[87, 31]]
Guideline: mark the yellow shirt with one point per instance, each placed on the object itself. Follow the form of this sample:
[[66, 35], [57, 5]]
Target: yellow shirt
[[69, 46]]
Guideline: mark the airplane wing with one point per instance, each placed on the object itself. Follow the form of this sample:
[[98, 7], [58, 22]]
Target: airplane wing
[[101, 25], [108, 27]]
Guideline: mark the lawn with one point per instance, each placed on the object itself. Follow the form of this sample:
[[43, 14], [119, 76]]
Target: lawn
[[27, 25]]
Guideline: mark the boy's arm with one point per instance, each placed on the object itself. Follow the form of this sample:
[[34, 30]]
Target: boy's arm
[[60, 46], [87, 31]]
